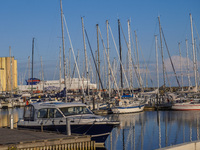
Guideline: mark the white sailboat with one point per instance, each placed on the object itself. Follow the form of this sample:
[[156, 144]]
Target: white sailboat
[[126, 105]]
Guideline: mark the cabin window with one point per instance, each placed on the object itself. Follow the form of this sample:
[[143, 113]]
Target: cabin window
[[29, 113], [42, 113], [75, 110], [58, 114], [49, 113], [54, 113]]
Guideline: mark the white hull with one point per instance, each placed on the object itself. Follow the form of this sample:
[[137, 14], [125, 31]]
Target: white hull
[[186, 106], [123, 110]]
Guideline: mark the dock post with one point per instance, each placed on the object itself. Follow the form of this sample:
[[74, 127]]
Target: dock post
[[68, 129], [11, 121], [41, 126]]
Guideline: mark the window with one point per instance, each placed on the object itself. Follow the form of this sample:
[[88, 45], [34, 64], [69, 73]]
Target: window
[[42, 113], [75, 110], [49, 113], [29, 113], [58, 114]]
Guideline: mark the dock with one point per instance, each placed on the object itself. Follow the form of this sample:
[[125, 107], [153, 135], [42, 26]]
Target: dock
[[16, 139]]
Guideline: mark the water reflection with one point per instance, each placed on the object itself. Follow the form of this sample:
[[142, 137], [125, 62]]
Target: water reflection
[[154, 129], [147, 130], [5, 115]]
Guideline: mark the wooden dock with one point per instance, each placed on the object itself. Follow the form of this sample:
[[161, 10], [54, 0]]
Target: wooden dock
[[25, 140]]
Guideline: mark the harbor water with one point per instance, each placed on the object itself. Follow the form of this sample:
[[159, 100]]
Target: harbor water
[[147, 130]]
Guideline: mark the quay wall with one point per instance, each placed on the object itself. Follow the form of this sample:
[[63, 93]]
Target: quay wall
[[195, 145]]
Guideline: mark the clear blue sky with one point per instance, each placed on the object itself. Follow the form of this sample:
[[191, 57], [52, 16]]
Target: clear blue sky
[[21, 20]]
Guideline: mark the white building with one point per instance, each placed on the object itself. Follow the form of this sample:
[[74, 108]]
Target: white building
[[71, 83]]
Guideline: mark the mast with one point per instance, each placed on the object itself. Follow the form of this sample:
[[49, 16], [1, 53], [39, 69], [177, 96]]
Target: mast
[[63, 45], [194, 57], [29, 70], [11, 75], [69, 65], [98, 52], [42, 75], [94, 60], [32, 66], [109, 64], [181, 67], [120, 52], [129, 56], [11, 90], [162, 53], [60, 69], [156, 41], [188, 70], [97, 68], [109, 89], [86, 63], [195, 48], [138, 64]]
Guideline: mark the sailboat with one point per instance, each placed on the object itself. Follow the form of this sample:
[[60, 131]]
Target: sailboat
[[193, 104], [126, 103]]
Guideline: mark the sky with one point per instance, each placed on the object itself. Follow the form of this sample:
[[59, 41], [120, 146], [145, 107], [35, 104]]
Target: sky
[[23, 20]]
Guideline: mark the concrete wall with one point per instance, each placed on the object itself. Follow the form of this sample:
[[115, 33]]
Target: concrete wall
[[185, 146]]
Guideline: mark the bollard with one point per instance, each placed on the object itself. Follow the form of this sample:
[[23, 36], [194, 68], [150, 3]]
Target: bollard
[[11, 121], [41, 126], [68, 128]]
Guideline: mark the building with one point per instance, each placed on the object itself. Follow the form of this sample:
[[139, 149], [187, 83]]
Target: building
[[72, 84], [8, 76]]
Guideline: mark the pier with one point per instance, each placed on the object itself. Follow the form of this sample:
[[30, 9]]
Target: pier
[[25, 139]]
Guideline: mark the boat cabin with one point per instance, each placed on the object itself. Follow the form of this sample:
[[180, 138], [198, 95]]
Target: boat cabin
[[53, 110]]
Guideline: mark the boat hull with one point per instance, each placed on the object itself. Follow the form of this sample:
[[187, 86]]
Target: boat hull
[[131, 109], [185, 107], [98, 132]]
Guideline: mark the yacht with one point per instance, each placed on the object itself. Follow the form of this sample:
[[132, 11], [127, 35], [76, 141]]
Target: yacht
[[55, 116]]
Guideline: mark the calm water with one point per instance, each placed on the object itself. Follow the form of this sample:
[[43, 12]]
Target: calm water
[[147, 130]]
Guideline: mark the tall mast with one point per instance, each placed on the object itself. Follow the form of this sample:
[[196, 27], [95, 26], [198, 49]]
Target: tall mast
[[138, 64], [60, 69], [109, 89], [42, 74], [69, 66], [162, 52], [11, 75], [86, 63], [96, 69], [129, 56], [120, 52], [195, 48], [32, 66], [98, 52], [194, 57], [156, 41], [181, 66], [63, 45], [188, 70]]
